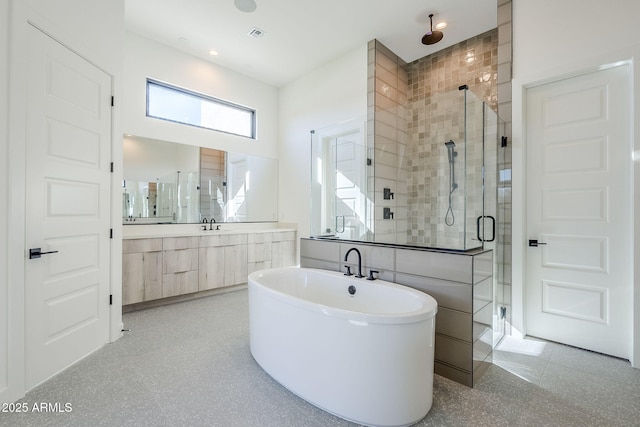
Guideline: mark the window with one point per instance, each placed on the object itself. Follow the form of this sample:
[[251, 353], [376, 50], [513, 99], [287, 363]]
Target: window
[[190, 108]]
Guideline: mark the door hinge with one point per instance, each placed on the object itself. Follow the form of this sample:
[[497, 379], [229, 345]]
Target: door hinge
[[111, 299], [503, 312], [113, 101], [111, 233], [111, 167]]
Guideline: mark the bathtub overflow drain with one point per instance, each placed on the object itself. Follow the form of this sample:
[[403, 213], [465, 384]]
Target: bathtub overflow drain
[[352, 290]]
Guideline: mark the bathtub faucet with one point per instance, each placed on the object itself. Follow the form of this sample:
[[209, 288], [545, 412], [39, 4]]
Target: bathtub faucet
[[359, 260]]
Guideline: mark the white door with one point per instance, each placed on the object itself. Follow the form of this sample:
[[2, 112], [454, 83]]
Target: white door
[[578, 288], [68, 208], [350, 176]]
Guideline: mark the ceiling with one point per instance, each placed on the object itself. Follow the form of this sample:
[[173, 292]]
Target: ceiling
[[301, 35]]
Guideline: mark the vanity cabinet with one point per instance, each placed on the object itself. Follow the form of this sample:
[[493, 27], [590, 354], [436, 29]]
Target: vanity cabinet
[[141, 270], [164, 267]]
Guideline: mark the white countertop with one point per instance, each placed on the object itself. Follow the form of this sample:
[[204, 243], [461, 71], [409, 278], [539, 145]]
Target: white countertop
[[149, 231]]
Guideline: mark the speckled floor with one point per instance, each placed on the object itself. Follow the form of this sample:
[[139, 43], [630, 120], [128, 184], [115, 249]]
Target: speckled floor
[[189, 364]]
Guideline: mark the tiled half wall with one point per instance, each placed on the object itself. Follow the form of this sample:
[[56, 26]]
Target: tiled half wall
[[461, 283]]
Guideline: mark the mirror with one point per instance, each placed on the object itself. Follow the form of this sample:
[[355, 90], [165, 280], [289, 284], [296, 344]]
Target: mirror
[[170, 183]]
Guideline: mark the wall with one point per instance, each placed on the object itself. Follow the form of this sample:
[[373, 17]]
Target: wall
[[145, 58], [330, 94], [555, 39], [5, 328], [95, 31], [388, 139]]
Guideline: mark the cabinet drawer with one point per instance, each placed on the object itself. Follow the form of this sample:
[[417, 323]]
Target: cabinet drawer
[[141, 245], [179, 261], [179, 283]]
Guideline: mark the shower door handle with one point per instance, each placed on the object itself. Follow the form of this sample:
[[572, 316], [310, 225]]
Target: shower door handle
[[493, 228], [338, 229], [534, 243]]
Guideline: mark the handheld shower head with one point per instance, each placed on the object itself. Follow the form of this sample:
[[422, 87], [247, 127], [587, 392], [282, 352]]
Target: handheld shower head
[[450, 150]]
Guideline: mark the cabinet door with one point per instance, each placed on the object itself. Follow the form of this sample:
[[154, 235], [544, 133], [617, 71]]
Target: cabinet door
[[152, 266], [141, 277], [211, 271], [132, 278]]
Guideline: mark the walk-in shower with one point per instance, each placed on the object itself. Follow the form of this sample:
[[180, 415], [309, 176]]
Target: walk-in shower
[[425, 175]]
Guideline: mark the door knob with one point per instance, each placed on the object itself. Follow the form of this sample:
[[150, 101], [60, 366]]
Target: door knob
[[534, 243], [36, 253]]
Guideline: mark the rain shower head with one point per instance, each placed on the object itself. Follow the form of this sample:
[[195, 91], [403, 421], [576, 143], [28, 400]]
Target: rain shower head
[[432, 37], [450, 150]]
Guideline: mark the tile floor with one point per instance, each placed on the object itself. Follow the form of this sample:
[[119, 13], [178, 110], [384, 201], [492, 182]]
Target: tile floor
[[188, 364]]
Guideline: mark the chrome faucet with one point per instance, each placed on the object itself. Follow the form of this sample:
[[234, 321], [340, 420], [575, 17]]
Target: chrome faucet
[[359, 260]]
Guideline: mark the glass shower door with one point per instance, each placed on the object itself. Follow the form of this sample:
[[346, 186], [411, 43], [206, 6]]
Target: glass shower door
[[339, 182]]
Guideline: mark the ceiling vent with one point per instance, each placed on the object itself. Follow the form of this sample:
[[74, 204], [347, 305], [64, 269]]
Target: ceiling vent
[[256, 33]]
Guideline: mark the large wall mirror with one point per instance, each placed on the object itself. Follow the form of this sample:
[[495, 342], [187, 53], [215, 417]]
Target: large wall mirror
[[170, 183]]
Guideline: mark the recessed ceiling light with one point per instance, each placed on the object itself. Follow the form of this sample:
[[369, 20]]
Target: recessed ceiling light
[[246, 6], [213, 52], [441, 25]]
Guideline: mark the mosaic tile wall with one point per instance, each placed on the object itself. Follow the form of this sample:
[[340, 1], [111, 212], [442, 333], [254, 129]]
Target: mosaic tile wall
[[437, 109]]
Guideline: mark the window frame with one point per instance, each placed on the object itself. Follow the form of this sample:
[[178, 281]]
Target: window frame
[[202, 97]]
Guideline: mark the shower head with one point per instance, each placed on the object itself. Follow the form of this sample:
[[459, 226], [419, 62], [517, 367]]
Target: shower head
[[432, 37], [450, 150]]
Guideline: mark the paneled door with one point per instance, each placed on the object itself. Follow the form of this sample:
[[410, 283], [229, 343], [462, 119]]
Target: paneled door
[[68, 208], [350, 189], [578, 286]]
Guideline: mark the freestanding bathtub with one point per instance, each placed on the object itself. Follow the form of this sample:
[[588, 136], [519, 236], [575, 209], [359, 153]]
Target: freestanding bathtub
[[362, 350]]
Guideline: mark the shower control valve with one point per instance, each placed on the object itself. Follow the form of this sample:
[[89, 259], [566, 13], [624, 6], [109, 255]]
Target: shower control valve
[[387, 194]]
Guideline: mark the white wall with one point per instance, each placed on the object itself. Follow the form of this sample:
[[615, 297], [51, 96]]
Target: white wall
[[147, 59], [94, 29], [330, 94], [4, 201], [553, 39]]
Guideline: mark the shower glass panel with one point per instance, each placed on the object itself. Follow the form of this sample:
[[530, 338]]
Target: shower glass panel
[[424, 174], [445, 172], [339, 202]]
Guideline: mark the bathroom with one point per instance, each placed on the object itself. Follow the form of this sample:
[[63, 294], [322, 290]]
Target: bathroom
[[289, 144]]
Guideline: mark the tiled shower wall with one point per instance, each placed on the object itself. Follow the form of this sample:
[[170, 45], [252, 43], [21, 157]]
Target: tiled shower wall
[[437, 109], [411, 124], [387, 104], [484, 64]]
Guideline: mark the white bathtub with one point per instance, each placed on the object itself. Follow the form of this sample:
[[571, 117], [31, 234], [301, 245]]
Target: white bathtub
[[366, 357]]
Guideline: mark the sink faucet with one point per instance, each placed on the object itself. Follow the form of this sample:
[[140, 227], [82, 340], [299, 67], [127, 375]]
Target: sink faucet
[[359, 260], [211, 224]]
